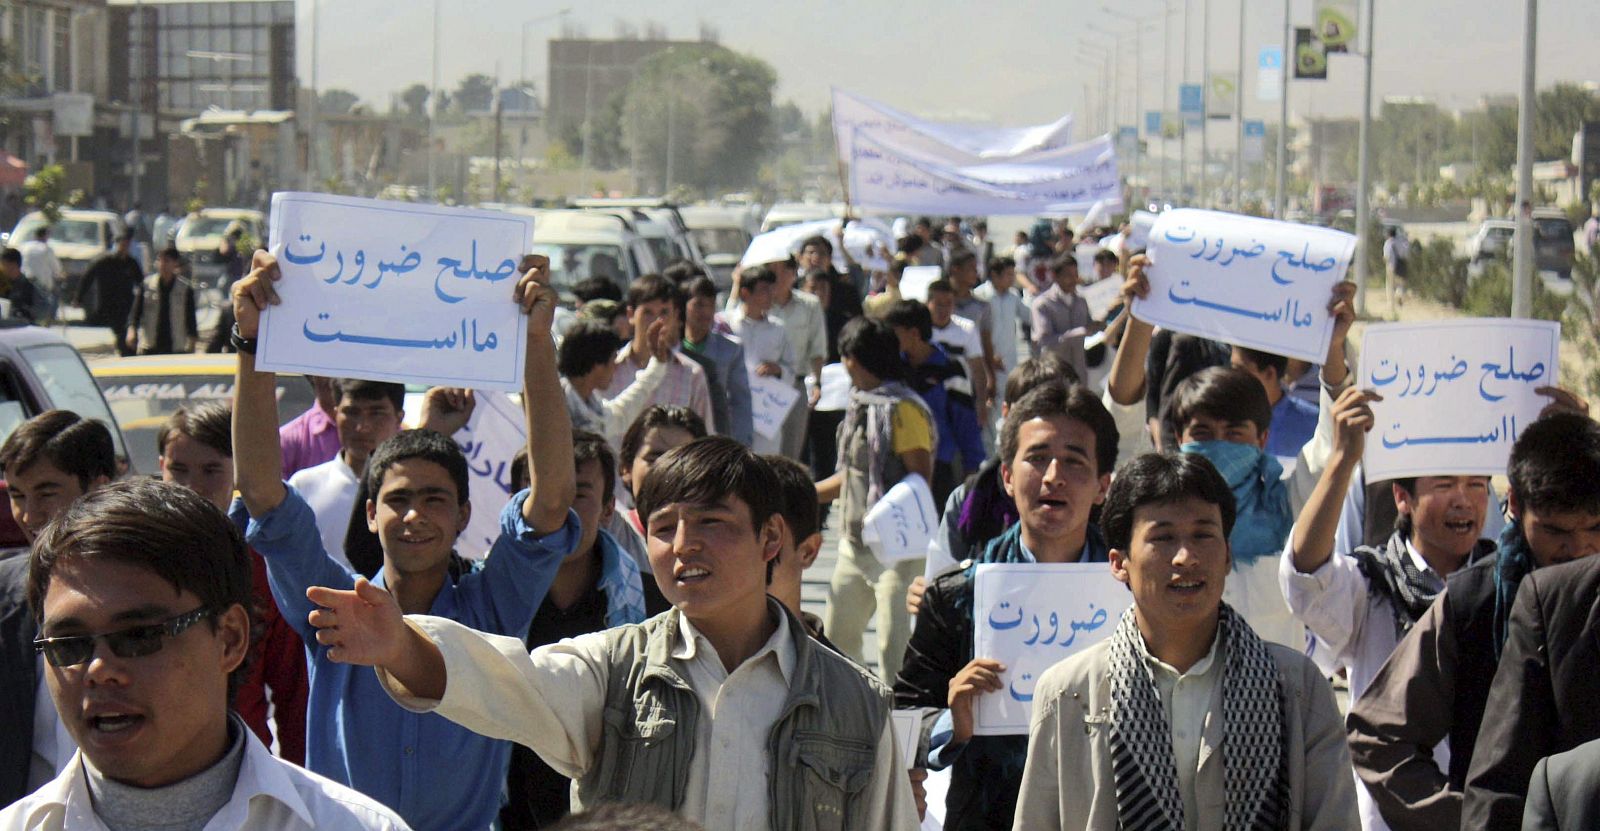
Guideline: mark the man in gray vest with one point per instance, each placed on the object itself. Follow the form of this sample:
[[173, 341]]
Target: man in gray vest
[[720, 709]]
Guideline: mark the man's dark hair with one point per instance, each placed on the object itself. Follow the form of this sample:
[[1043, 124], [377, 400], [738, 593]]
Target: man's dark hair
[[588, 344], [658, 416], [980, 226], [1062, 261], [962, 258], [682, 271], [923, 222], [171, 253], [941, 286], [1555, 465], [418, 444], [163, 528], [596, 288], [43, 231], [1263, 361], [1000, 264], [210, 423], [763, 274], [650, 288], [617, 816], [800, 511], [700, 287], [909, 244], [1221, 392], [705, 471], [1160, 478], [818, 241], [75, 445], [592, 447], [519, 470], [360, 389], [1106, 255], [1058, 399], [872, 343], [1044, 368], [12, 255], [909, 314]]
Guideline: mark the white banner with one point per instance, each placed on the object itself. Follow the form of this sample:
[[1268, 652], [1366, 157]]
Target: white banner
[[865, 240], [1071, 180], [1456, 393], [490, 441], [952, 143], [1031, 616], [393, 291], [1244, 280]]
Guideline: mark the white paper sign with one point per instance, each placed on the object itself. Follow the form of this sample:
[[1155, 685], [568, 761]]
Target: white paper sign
[[1244, 280], [915, 280], [835, 395], [952, 143], [864, 239], [907, 732], [770, 402], [885, 176], [396, 292], [1030, 616], [1456, 393], [902, 523], [490, 440], [1101, 295]]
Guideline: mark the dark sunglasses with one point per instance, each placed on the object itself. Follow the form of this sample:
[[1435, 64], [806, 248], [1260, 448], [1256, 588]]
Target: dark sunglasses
[[132, 642]]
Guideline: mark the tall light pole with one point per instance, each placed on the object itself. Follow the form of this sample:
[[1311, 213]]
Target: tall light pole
[[522, 78], [1205, 92], [433, 109], [1522, 242], [1364, 172], [1166, 91], [138, 93], [1238, 120], [1278, 206], [314, 166]]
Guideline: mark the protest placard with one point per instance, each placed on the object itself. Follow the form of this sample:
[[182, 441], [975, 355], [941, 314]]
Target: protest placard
[[770, 402], [901, 523], [1456, 393], [907, 732], [1030, 616], [396, 292], [915, 280], [1244, 280], [1101, 295], [835, 394], [490, 440]]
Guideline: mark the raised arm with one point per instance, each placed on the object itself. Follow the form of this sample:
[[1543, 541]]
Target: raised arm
[[257, 456], [1126, 383], [1318, 521], [552, 477]]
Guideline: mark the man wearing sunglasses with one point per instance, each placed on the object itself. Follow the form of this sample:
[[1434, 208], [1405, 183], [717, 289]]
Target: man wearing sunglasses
[[49, 461], [141, 591]]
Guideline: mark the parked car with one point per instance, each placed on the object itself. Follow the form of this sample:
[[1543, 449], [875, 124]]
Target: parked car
[[40, 371], [200, 238], [1553, 244], [581, 244], [76, 239], [145, 390], [794, 213], [643, 211], [1492, 239], [723, 234]]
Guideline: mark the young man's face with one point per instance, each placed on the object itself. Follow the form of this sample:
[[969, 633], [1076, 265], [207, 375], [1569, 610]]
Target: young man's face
[[1446, 512], [710, 558], [200, 468], [593, 509], [1204, 427], [364, 423], [1004, 279], [1558, 537], [1176, 563], [700, 313], [1053, 477], [10, 270], [657, 441], [152, 720], [645, 314], [966, 276], [813, 257], [1103, 269], [942, 305], [417, 516], [41, 491], [166, 266], [1066, 277], [757, 298]]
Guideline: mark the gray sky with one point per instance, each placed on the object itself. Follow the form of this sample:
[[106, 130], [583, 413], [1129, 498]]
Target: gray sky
[[1018, 62]]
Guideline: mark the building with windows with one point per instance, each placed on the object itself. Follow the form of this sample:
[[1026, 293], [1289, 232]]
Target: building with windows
[[194, 56]]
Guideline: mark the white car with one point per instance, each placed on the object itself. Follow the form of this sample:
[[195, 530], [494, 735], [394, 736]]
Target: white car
[[794, 213], [200, 238], [723, 234], [582, 244], [76, 239]]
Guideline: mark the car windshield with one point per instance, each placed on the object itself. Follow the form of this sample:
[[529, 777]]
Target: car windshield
[[210, 226], [1554, 228], [572, 263], [721, 240], [68, 231], [70, 387], [661, 250], [1498, 233], [142, 403]]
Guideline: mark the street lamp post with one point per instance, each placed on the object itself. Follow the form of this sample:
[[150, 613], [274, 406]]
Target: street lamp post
[[1364, 173], [1278, 206], [522, 79], [1238, 120], [1522, 242]]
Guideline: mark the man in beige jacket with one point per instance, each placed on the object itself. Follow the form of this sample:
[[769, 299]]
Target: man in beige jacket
[[1183, 718]]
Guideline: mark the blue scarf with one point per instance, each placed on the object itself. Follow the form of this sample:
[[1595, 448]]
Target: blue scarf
[[620, 580], [1515, 562], [1262, 519]]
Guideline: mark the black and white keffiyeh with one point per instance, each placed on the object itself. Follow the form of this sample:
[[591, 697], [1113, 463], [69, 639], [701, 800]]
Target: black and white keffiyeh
[[1253, 754]]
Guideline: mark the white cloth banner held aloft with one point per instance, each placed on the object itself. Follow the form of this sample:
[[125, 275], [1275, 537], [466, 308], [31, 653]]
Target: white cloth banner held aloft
[[864, 239], [396, 292], [1456, 393], [916, 280], [900, 525], [490, 441], [1030, 616], [1244, 280], [951, 143]]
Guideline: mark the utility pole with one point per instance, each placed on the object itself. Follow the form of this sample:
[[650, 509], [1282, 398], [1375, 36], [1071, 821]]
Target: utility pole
[[138, 93], [1166, 90], [497, 123], [1238, 120], [1205, 94], [313, 163], [1183, 119], [1278, 206], [1364, 173], [1522, 242], [433, 110]]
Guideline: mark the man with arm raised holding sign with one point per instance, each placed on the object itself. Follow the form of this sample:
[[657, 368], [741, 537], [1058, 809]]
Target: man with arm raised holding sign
[[433, 773]]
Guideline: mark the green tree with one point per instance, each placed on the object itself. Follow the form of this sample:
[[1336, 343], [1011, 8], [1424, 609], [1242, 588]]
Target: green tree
[[475, 93], [1562, 108], [415, 99], [46, 192], [711, 105]]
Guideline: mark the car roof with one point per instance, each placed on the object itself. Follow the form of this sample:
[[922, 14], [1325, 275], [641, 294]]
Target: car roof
[[78, 213], [18, 335], [186, 364]]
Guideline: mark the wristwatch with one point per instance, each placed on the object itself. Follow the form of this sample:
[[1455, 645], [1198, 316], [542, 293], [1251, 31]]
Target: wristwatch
[[240, 342]]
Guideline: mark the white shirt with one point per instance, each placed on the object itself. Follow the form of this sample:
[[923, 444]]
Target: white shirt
[[1189, 698], [40, 265], [961, 343], [805, 324], [52, 744], [553, 701], [270, 795], [330, 490], [765, 339], [1005, 308]]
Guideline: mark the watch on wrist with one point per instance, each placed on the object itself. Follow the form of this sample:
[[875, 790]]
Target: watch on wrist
[[240, 342]]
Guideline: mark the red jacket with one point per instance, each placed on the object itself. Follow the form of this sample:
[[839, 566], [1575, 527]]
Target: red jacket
[[277, 663]]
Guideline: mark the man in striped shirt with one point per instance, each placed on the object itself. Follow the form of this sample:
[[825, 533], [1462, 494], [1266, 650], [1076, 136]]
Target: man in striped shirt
[[651, 298]]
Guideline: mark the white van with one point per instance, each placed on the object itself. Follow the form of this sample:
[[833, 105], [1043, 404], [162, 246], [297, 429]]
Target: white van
[[583, 244]]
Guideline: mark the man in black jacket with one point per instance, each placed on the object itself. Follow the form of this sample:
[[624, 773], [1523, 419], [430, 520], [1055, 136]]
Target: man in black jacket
[[107, 289]]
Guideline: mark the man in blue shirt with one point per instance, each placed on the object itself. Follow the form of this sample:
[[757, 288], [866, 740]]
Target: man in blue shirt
[[953, 412], [433, 773], [1294, 419]]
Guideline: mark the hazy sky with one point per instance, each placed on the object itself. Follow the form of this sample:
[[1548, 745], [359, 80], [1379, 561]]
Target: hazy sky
[[1016, 62]]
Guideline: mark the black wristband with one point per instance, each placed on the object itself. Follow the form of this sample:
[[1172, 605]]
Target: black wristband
[[240, 342]]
